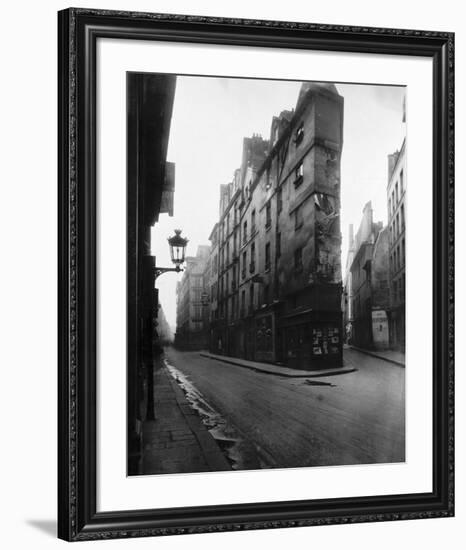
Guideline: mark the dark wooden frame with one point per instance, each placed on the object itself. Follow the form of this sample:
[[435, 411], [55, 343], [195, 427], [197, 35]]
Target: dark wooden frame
[[78, 32]]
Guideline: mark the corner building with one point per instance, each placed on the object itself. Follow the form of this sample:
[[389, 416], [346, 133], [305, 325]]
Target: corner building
[[396, 202], [284, 203]]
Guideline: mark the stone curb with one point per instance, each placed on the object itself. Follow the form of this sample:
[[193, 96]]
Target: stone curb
[[212, 453], [375, 354], [305, 374]]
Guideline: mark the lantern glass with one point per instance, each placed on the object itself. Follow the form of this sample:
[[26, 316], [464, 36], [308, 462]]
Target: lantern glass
[[177, 245]]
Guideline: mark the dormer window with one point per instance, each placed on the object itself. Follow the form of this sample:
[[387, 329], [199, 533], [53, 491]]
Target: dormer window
[[299, 134]]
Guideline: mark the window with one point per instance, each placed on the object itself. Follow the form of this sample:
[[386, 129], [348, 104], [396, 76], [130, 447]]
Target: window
[[403, 252], [278, 245], [396, 192], [251, 297], [389, 207], [279, 200], [266, 294], [401, 181], [393, 201], [298, 174], [253, 221], [245, 231], [368, 269], [233, 282], [243, 302], [252, 265], [243, 272], [268, 215], [397, 224], [402, 210], [267, 256], [298, 259], [299, 134], [298, 217]]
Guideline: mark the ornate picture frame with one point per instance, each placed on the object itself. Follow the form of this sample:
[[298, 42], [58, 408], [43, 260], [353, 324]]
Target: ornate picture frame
[[78, 514]]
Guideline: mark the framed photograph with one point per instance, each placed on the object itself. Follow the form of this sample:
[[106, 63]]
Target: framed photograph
[[255, 274]]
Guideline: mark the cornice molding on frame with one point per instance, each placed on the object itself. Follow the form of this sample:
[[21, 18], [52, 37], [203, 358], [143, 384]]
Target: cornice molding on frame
[[77, 517]]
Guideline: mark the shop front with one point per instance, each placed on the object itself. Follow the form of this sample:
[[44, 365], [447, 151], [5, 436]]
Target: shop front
[[312, 340]]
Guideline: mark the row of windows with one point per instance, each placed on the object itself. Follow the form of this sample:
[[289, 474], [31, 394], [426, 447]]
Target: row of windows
[[233, 309], [395, 197], [399, 289], [397, 257], [398, 224], [252, 263], [299, 175]]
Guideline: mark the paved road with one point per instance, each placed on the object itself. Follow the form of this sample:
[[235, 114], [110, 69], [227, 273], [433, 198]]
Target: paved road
[[351, 418]]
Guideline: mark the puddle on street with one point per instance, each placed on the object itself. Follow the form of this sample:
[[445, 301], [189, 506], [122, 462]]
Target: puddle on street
[[241, 454], [319, 383]]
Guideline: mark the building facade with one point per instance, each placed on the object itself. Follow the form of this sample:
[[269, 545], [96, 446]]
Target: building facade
[[369, 279], [150, 190], [347, 299], [396, 202], [277, 294], [192, 312]]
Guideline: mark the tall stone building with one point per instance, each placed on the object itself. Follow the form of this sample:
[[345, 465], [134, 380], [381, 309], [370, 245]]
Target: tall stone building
[[347, 301], [150, 190], [396, 201], [279, 284], [369, 272], [192, 315]]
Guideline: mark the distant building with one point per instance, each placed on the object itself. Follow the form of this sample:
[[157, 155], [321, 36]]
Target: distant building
[[396, 201], [192, 319], [279, 245], [368, 275], [164, 331], [347, 300]]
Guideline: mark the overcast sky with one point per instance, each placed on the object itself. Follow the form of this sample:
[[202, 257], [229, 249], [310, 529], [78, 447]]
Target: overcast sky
[[210, 118]]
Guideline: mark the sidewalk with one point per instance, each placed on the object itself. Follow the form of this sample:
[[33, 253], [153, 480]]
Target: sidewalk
[[278, 370], [396, 357], [177, 441]]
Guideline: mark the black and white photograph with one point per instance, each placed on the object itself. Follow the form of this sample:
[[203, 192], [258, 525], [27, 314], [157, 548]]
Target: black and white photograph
[[266, 261]]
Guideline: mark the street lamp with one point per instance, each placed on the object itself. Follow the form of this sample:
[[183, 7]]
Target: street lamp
[[177, 245]]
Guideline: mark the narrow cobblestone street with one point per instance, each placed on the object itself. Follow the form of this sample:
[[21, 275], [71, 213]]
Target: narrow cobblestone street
[[353, 418]]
